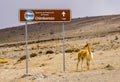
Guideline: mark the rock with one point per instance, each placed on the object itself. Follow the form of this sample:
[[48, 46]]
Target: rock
[[116, 38], [24, 76], [41, 76], [33, 77], [109, 67]]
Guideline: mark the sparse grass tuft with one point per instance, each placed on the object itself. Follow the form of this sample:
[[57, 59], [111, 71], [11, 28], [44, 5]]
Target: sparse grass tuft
[[33, 48], [68, 51], [33, 54], [72, 50], [2, 61], [76, 49], [95, 43], [40, 52], [49, 52], [22, 58], [43, 64]]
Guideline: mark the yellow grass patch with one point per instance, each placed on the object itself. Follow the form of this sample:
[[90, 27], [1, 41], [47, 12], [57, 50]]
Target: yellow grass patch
[[3, 61]]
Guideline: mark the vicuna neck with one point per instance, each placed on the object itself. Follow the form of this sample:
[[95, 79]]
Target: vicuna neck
[[89, 49]]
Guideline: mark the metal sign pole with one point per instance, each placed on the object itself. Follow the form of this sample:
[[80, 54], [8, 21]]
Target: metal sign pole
[[26, 38], [63, 49]]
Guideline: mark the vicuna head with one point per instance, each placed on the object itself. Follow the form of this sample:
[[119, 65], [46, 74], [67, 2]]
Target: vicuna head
[[87, 45]]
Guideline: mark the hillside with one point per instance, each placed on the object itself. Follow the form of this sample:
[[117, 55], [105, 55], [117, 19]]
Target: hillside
[[48, 31]]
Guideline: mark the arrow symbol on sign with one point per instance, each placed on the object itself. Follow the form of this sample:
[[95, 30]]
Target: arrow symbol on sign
[[63, 14]]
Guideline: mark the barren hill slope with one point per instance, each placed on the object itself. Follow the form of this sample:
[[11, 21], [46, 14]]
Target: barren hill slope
[[75, 28]]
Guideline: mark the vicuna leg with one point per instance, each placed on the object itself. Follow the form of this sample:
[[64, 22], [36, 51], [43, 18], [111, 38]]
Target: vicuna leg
[[88, 64], [82, 64], [77, 64]]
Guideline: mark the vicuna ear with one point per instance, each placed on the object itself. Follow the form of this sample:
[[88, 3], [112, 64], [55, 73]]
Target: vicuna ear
[[87, 42]]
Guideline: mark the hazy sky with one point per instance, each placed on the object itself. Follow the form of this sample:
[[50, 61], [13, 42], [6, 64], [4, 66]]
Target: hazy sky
[[80, 8]]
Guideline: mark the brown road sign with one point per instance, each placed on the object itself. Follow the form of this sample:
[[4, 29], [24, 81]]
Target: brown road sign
[[48, 15]]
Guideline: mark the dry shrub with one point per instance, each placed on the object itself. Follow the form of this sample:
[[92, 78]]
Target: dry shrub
[[68, 51], [33, 54], [24, 56], [72, 50], [42, 64], [95, 43], [76, 49], [32, 48], [40, 52], [49, 52], [2, 61]]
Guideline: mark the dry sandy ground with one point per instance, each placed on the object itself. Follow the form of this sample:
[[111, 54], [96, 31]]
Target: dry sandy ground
[[105, 66]]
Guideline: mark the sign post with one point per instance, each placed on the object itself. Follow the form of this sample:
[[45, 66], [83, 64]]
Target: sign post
[[26, 38], [63, 48], [47, 15]]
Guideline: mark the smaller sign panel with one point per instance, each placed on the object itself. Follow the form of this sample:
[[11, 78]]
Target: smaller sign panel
[[48, 15]]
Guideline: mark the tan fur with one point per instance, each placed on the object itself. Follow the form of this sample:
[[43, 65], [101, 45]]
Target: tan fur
[[85, 55]]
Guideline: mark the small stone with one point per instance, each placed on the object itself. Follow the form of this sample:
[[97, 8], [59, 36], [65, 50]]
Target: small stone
[[109, 67]]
